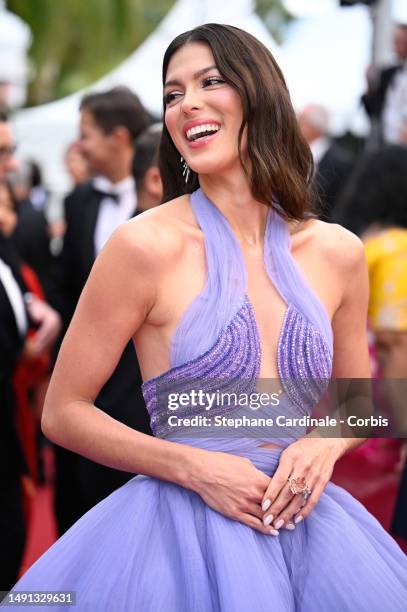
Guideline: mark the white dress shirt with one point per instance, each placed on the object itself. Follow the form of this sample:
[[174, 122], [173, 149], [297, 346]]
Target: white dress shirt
[[112, 213], [395, 107], [319, 147], [14, 296]]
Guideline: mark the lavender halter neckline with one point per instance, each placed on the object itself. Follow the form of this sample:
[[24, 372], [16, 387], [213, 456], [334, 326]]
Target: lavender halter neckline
[[218, 337]]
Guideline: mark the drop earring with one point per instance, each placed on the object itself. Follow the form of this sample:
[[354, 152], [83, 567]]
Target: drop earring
[[185, 169]]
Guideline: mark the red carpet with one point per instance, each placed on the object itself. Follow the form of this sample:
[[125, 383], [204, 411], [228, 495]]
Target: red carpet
[[375, 487]]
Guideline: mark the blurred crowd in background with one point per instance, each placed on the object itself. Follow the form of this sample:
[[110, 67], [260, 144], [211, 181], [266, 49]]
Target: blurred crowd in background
[[114, 172]]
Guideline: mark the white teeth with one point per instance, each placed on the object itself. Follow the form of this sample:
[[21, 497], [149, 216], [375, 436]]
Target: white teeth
[[205, 127]]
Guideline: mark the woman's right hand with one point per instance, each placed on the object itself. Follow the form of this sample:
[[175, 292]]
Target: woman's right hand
[[234, 487]]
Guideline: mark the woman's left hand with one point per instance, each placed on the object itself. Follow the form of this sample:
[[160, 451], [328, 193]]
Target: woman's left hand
[[312, 458]]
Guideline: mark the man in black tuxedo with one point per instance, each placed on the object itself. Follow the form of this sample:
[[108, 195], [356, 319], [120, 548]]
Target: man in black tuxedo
[[333, 164], [386, 98], [12, 332], [32, 240], [109, 123], [18, 310]]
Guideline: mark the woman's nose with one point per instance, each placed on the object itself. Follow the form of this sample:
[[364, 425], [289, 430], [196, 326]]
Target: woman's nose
[[191, 102]]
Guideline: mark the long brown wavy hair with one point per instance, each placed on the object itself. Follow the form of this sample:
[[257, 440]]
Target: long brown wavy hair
[[281, 166]]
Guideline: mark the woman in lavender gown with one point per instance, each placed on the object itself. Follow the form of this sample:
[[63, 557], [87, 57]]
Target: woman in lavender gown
[[231, 281]]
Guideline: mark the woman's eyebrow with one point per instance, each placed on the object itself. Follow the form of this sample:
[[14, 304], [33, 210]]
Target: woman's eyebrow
[[196, 75]]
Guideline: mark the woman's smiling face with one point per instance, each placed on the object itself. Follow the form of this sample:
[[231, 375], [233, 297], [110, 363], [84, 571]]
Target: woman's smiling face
[[203, 113]]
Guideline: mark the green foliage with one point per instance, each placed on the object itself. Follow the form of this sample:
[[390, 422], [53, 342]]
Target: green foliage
[[274, 16], [76, 42]]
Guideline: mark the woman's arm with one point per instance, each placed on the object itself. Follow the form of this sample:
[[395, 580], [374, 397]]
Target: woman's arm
[[314, 456], [118, 298], [351, 363]]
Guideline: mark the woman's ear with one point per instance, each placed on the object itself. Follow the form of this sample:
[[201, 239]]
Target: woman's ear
[[122, 135]]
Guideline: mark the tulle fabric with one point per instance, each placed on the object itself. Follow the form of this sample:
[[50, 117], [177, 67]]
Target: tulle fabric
[[152, 545], [288, 279], [224, 290]]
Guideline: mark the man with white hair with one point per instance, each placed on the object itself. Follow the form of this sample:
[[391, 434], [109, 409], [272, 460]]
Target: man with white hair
[[333, 165]]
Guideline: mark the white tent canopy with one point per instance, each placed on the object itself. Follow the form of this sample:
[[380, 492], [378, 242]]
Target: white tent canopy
[[319, 66], [15, 39], [325, 60]]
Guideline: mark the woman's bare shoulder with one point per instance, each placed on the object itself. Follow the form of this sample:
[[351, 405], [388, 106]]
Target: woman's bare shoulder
[[157, 236], [334, 244]]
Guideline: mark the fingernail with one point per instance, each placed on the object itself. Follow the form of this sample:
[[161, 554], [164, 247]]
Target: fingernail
[[267, 520], [290, 526], [274, 532], [266, 505], [279, 524], [298, 519]]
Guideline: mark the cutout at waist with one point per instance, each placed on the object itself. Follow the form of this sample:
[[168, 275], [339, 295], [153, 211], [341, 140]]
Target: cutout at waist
[[270, 445]]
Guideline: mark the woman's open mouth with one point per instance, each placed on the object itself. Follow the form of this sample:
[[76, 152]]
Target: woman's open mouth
[[200, 135]]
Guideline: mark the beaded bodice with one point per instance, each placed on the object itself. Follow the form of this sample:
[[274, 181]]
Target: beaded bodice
[[218, 338]]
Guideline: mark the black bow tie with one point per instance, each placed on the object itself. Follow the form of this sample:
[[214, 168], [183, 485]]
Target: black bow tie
[[107, 194]]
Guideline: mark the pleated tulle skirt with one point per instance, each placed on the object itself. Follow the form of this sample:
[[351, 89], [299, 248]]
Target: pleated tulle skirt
[[152, 545]]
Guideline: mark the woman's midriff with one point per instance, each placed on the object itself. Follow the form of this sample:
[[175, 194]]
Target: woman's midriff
[[271, 445]]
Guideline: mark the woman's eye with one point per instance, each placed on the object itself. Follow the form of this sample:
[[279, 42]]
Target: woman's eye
[[212, 81], [207, 82], [170, 97]]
